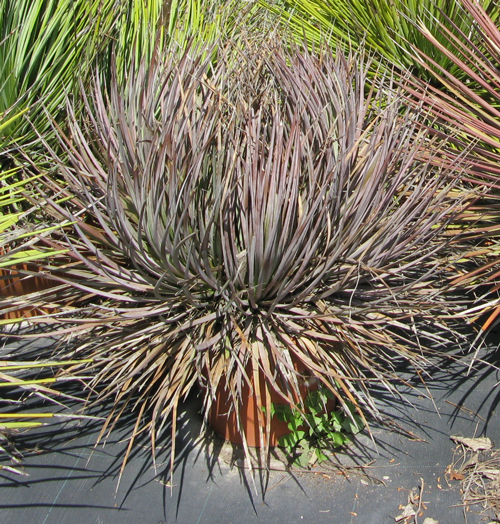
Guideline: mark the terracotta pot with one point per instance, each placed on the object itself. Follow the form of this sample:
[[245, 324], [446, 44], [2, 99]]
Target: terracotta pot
[[14, 284], [223, 421]]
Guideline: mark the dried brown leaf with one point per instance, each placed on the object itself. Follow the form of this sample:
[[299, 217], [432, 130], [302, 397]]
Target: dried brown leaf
[[475, 444]]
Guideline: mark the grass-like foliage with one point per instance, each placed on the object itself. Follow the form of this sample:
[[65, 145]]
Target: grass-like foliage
[[48, 46], [388, 28], [471, 104], [239, 218]]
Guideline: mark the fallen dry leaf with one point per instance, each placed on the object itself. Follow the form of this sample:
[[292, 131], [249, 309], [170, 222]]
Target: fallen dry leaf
[[408, 511], [428, 520], [456, 475], [476, 444]]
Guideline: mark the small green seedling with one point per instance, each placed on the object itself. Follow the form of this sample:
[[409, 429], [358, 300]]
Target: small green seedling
[[314, 430]]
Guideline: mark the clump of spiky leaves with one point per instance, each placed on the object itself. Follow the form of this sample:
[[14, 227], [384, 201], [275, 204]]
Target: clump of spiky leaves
[[47, 47], [386, 27], [233, 219], [471, 106]]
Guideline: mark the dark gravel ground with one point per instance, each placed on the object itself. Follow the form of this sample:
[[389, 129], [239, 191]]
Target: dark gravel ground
[[71, 481]]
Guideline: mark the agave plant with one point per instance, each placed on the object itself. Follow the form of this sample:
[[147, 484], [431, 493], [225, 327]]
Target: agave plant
[[388, 28], [235, 217]]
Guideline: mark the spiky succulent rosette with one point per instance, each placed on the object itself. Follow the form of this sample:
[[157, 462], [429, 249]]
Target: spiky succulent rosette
[[234, 219]]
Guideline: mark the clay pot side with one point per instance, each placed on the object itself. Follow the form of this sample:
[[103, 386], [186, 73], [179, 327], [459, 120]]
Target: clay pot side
[[14, 284], [224, 421]]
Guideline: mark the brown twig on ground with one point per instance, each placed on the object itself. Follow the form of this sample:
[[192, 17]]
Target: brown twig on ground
[[465, 410], [420, 499]]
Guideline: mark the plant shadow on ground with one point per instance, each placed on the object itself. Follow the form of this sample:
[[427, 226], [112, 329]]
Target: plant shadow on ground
[[64, 450], [485, 369]]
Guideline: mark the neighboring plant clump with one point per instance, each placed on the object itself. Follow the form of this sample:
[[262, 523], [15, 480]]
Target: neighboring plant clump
[[316, 430], [390, 29], [237, 211], [471, 104], [48, 46], [23, 379]]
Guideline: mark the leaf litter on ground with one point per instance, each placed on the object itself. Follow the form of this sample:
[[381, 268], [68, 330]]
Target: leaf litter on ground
[[478, 469]]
